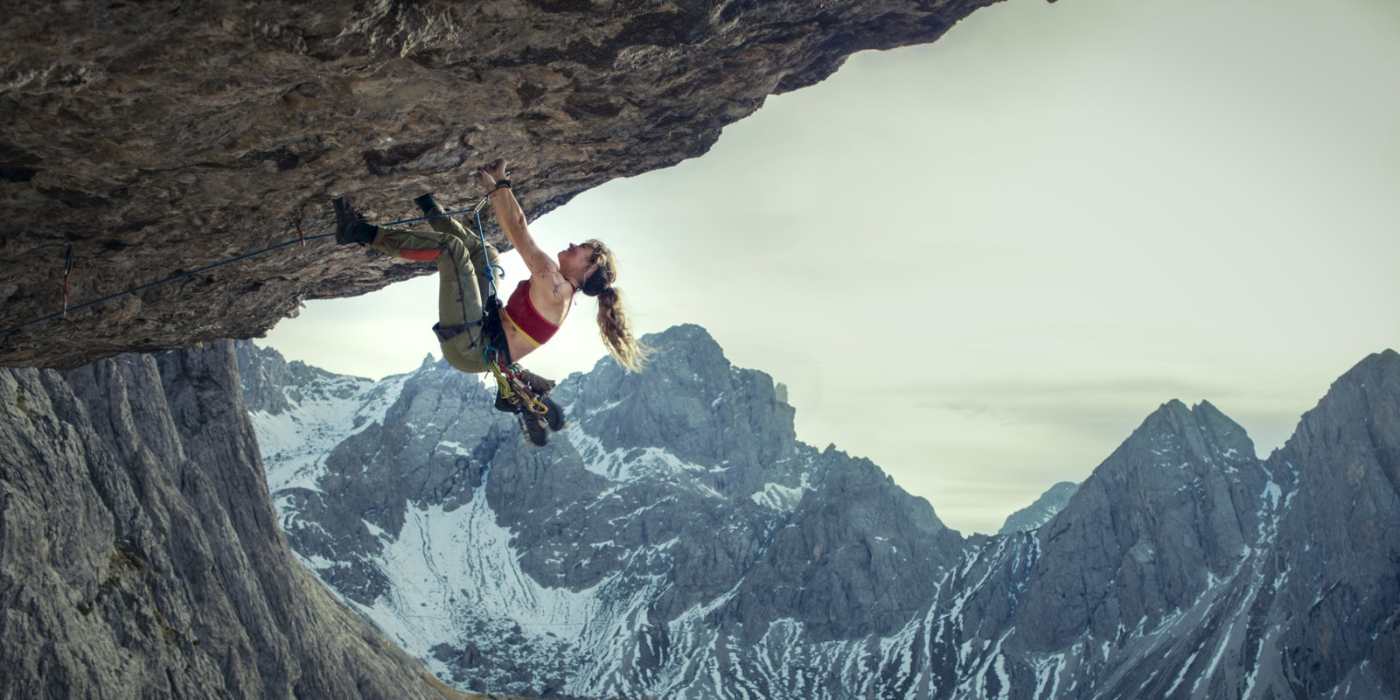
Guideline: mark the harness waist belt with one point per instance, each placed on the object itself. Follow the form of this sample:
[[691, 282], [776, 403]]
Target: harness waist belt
[[447, 333], [492, 332]]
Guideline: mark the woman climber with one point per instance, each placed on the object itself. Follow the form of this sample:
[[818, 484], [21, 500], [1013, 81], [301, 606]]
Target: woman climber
[[476, 335]]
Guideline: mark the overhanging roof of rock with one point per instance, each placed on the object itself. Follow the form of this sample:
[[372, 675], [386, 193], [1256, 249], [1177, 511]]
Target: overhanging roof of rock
[[159, 137]]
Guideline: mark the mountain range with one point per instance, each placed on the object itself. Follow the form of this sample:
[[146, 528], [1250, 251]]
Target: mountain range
[[676, 540]]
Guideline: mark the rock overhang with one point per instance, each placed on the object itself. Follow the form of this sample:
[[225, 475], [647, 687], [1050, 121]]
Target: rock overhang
[[154, 139]]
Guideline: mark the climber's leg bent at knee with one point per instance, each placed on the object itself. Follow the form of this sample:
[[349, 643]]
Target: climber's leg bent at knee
[[448, 225], [460, 299], [481, 261]]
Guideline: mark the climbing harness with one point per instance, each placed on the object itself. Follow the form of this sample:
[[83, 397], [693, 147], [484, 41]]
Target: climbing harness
[[528, 405], [301, 239]]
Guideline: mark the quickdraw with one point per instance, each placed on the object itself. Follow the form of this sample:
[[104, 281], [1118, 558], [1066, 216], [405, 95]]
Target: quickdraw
[[511, 385], [481, 231]]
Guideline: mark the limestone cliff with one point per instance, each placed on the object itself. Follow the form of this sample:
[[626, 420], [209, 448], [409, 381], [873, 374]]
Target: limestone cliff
[[140, 555], [160, 137]]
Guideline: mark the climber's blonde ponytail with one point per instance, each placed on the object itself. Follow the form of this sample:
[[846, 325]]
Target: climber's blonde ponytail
[[612, 320]]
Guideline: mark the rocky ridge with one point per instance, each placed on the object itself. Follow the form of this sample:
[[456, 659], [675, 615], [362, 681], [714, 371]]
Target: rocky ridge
[[1041, 510], [649, 551], [599, 519], [157, 138]]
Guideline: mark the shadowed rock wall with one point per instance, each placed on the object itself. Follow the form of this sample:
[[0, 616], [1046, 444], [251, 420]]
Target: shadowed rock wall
[[160, 137], [140, 555]]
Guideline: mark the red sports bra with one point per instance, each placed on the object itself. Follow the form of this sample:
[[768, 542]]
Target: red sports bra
[[522, 314]]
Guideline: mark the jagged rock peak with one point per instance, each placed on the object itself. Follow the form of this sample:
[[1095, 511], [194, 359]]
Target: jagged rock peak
[[1199, 432], [1375, 377], [225, 128], [689, 399], [1041, 510], [1181, 567], [1358, 414], [269, 381], [685, 348], [1179, 501]]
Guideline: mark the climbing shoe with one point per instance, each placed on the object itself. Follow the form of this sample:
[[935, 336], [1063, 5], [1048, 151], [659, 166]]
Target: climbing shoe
[[427, 204], [535, 428], [350, 224], [541, 386], [505, 405], [555, 417]]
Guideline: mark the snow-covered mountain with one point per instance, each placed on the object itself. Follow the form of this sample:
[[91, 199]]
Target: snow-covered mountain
[[675, 540]]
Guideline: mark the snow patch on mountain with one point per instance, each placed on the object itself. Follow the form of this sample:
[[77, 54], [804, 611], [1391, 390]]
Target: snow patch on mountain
[[295, 443], [446, 563], [783, 498], [628, 464]]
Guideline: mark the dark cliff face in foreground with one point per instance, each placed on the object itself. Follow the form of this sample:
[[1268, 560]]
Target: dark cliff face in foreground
[[140, 555], [161, 137], [676, 540]]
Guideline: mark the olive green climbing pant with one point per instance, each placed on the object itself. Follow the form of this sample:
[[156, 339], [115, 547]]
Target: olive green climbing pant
[[462, 289]]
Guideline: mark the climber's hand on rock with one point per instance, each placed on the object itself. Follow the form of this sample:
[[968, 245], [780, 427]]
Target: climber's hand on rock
[[485, 179], [489, 174]]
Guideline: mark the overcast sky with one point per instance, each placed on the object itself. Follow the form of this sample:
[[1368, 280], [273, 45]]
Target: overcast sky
[[981, 263]]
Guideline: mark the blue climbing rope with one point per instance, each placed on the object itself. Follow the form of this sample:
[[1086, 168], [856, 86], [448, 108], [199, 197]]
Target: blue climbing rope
[[302, 239], [481, 231]]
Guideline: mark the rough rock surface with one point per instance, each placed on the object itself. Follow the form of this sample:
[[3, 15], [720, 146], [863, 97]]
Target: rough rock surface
[[1338, 570], [160, 137], [140, 556], [648, 551], [1176, 504], [1041, 511]]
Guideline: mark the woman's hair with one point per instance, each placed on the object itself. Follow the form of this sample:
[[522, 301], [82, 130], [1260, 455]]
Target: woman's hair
[[612, 321]]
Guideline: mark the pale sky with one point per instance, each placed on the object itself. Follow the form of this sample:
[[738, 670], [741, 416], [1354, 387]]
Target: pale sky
[[983, 262]]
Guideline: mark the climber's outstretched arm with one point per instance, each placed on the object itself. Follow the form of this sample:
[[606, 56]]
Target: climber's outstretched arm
[[512, 221]]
